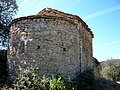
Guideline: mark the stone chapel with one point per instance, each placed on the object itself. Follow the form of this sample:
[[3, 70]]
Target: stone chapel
[[53, 41]]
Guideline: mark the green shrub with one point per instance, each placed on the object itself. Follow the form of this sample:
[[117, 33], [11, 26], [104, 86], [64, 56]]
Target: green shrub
[[57, 83], [43, 83], [85, 80], [28, 80]]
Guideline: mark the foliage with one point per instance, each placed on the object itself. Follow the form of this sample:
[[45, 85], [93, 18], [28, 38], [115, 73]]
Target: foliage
[[43, 83], [111, 69], [3, 66], [57, 83], [3, 53], [85, 80], [8, 9], [28, 80]]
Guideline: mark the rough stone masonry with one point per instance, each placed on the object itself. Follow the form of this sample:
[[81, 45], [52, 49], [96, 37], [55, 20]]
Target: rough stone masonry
[[53, 41]]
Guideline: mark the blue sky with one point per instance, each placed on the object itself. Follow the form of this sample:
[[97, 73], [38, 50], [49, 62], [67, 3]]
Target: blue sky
[[102, 16]]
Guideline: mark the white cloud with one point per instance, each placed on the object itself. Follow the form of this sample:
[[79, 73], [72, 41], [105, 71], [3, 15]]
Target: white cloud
[[22, 4], [106, 45], [109, 48], [103, 12]]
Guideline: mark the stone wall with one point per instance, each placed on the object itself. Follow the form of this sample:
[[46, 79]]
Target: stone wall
[[53, 44], [96, 68]]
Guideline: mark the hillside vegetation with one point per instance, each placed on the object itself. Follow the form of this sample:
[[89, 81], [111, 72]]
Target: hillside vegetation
[[110, 69], [28, 80]]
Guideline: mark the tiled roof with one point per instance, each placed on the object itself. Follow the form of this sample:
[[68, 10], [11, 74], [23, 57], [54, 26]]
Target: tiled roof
[[53, 13]]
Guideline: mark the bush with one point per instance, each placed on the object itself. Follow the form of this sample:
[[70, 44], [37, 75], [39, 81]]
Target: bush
[[57, 83], [24, 80], [28, 80], [111, 69], [85, 80]]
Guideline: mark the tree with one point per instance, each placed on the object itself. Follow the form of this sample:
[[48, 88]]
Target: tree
[[8, 9], [111, 69]]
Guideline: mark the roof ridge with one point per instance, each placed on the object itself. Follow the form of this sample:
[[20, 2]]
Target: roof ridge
[[56, 13]]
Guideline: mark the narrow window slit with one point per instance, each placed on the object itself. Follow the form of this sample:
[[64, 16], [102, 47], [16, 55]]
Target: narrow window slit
[[38, 47], [64, 49]]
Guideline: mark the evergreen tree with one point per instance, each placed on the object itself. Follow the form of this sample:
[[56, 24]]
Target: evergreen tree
[[8, 9]]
